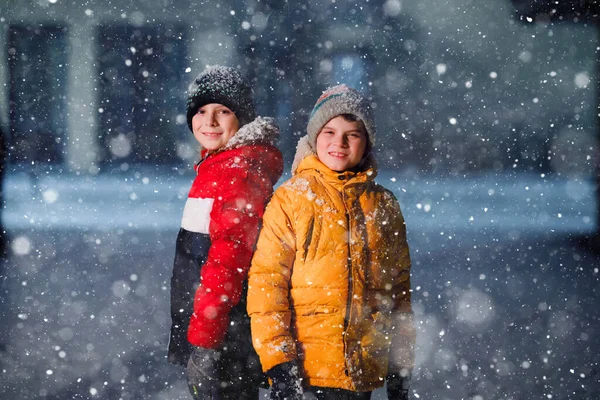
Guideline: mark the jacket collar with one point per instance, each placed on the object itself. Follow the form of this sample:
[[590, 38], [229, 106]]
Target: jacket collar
[[312, 162]]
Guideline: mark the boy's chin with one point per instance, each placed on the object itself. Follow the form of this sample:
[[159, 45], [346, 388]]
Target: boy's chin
[[211, 145], [339, 166]]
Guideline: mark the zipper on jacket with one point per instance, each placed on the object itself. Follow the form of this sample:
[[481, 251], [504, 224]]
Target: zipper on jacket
[[350, 291], [197, 165]]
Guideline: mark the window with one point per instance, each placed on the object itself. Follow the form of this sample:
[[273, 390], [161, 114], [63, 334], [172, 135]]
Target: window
[[37, 62], [142, 93]]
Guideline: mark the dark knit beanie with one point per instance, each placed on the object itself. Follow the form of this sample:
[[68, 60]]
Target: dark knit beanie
[[336, 101], [221, 85]]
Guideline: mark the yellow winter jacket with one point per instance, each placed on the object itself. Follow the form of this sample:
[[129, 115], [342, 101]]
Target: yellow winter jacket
[[329, 283]]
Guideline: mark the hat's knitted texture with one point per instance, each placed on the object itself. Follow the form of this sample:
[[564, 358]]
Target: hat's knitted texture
[[221, 85], [336, 101]]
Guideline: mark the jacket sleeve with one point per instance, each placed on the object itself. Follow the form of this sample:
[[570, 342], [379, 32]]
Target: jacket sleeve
[[235, 219], [268, 285], [404, 334]]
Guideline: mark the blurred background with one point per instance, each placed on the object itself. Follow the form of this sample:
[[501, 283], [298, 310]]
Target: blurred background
[[488, 131]]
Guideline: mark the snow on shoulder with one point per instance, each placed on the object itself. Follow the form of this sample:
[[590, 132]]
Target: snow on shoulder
[[261, 130]]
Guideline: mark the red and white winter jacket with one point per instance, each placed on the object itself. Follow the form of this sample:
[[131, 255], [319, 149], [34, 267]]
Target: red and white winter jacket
[[226, 202]]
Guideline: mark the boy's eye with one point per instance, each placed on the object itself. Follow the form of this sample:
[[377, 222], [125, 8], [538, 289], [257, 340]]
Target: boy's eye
[[200, 111]]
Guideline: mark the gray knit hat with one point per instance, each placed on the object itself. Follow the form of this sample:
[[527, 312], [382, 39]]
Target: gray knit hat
[[222, 85], [339, 100]]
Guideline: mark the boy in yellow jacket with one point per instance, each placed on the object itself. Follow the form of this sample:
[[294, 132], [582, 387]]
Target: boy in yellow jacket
[[329, 284]]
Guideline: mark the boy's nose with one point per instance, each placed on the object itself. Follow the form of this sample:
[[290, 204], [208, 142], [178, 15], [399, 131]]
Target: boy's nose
[[211, 119], [340, 140]]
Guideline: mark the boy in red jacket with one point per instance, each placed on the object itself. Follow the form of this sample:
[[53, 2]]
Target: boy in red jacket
[[239, 164]]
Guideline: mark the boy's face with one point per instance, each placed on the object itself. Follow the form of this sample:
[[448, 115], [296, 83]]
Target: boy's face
[[213, 126], [341, 144]]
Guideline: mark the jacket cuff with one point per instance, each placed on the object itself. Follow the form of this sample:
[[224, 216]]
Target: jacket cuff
[[208, 333], [283, 371]]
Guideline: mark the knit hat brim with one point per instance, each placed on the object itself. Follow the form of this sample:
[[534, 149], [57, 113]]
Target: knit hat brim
[[216, 97], [221, 85], [336, 101]]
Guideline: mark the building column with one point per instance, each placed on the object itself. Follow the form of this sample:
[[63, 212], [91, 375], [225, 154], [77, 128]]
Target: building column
[[597, 168], [81, 141], [4, 74]]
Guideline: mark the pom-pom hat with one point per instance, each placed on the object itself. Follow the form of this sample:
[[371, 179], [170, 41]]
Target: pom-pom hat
[[338, 100], [221, 85]]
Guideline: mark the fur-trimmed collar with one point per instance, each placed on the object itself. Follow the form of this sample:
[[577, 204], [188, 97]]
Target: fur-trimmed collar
[[262, 130]]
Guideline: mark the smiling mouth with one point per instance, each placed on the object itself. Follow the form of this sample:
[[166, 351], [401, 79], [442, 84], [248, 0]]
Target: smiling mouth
[[211, 134], [336, 154]]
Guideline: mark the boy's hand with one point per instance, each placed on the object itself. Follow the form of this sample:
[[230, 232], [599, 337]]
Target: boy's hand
[[398, 386], [286, 382], [202, 375]]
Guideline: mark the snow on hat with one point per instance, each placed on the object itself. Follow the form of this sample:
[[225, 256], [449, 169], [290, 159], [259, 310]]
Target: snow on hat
[[338, 100], [221, 85]]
